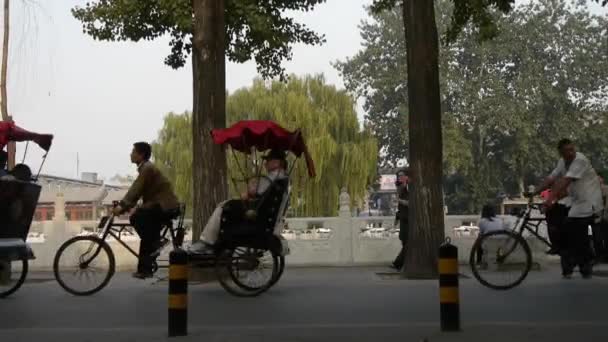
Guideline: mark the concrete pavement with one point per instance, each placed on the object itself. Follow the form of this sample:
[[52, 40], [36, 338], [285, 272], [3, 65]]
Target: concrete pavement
[[322, 304]]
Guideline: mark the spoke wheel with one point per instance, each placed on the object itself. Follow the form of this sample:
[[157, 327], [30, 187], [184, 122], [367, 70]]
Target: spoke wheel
[[84, 265], [500, 260], [247, 272]]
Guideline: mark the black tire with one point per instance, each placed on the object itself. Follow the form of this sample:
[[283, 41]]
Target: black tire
[[280, 271], [12, 288], [227, 269], [513, 241], [97, 247]]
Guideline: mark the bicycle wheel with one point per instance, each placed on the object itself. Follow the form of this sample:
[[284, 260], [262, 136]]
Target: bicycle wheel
[[246, 272], [12, 276], [500, 260], [84, 265]]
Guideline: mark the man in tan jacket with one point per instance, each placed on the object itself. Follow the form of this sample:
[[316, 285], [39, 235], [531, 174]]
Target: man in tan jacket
[[159, 204]]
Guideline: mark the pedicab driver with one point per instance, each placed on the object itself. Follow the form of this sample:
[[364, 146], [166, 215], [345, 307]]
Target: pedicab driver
[[276, 164], [159, 203]]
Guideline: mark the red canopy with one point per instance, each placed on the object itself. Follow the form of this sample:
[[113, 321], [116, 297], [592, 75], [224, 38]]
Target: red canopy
[[11, 132], [263, 135]]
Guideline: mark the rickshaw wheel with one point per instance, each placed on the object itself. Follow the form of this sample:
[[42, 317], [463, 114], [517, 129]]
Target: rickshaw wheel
[[280, 271], [237, 267], [10, 288]]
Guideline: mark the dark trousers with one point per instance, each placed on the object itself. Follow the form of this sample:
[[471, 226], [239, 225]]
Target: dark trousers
[[556, 218], [600, 240], [576, 249], [403, 236], [147, 223]]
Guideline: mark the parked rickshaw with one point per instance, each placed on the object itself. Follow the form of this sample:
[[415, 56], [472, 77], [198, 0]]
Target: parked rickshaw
[[18, 200]]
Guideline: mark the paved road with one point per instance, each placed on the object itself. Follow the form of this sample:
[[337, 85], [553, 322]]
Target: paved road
[[313, 305]]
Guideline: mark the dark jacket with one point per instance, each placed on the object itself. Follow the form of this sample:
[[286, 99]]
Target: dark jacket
[[403, 206], [151, 186]]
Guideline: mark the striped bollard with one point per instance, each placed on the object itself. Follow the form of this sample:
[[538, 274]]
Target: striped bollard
[[178, 293], [448, 287]]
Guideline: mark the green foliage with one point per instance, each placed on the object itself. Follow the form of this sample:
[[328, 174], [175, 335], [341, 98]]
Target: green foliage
[[344, 155], [481, 13], [255, 29], [506, 102], [173, 153]]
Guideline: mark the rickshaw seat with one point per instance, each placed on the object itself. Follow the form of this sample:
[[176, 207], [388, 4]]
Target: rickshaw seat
[[237, 227], [15, 249]]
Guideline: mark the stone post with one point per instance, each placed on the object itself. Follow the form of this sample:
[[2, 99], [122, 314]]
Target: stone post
[[344, 231], [56, 232]]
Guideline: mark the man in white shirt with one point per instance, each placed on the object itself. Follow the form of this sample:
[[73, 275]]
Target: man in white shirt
[[276, 165], [575, 175]]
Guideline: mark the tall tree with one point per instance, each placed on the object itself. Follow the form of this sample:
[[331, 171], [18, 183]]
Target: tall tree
[[209, 82], [344, 154], [496, 96], [240, 29], [424, 103]]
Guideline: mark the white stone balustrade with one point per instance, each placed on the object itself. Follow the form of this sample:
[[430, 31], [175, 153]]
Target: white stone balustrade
[[320, 241]]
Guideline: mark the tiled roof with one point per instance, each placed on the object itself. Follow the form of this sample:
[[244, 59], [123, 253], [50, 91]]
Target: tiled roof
[[78, 191]]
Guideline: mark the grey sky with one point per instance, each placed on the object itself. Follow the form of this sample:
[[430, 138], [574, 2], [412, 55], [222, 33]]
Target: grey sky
[[97, 98]]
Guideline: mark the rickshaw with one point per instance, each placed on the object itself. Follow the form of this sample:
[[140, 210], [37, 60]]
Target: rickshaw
[[249, 257], [18, 200]]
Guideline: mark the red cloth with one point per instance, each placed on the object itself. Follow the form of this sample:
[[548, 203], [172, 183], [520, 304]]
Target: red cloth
[[263, 135], [545, 194], [11, 132]]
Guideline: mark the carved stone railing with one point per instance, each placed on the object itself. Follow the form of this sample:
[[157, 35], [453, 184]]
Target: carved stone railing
[[317, 241]]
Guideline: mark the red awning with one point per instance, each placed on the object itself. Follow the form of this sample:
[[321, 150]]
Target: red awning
[[11, 132], [263, 135]]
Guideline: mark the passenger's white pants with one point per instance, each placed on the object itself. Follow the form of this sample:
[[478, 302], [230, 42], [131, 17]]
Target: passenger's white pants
[[212, 229], [211, 232]]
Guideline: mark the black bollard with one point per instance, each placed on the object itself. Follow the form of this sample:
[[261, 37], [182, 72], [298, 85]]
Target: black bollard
[[178, 293], [448, 287]]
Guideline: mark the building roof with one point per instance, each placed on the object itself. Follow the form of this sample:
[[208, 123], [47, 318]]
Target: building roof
[[77, 191], [114, 195]]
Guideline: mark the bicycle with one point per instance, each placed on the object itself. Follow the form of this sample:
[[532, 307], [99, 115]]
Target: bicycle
[[96, 254], [501, 253]]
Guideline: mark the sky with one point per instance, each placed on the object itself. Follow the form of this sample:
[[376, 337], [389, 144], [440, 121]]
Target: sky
[[97, 98]]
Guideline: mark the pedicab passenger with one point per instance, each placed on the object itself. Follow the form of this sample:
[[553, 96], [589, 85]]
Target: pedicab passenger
[[276, 166]]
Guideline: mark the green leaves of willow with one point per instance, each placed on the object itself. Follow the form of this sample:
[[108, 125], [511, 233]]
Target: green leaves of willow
[[344, 155]]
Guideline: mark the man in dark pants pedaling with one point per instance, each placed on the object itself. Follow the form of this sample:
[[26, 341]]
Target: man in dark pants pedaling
[[575, 175], [159, 205]]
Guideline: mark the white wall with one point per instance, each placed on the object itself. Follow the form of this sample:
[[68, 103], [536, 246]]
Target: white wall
[[346, 245]]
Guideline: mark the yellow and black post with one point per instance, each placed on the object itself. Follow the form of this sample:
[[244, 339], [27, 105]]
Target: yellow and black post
[[178, 293], [448, 287]]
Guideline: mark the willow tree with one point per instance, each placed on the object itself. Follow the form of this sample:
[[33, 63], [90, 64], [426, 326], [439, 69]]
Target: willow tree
[[173, 153], [344, 154]]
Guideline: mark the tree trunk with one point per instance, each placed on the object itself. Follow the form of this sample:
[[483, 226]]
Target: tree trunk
[[3, 77], [209, 109], [5, 62], [426, 202]]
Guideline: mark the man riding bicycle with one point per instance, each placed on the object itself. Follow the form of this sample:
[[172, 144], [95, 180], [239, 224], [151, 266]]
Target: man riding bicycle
[[159, 204]]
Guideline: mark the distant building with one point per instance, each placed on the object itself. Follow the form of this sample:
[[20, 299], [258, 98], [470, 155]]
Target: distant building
[[85, 199]]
